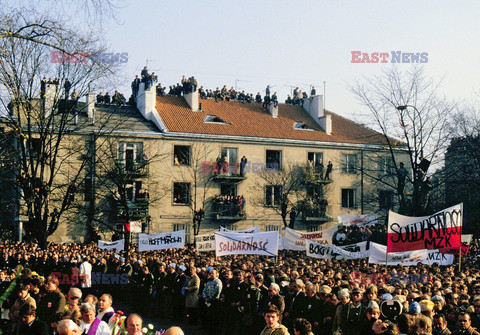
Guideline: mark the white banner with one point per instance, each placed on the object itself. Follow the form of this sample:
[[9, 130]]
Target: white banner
[[174, 239], [135, 226], [295, 240], [106, 245], [357, 220], [351, 251], [245, 231], [280, 241], [205, 242], [252, 244], [407, 258]]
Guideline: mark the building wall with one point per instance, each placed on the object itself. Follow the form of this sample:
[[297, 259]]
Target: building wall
[[165, 216]]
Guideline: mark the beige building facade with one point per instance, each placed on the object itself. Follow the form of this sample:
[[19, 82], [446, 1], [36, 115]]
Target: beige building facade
[[165, 167]]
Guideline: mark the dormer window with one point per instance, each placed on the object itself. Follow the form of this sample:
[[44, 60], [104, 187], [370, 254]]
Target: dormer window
[[214, 119], [301, 125]]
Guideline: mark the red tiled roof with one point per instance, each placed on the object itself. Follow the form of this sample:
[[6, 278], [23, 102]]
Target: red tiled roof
[[251, 120]]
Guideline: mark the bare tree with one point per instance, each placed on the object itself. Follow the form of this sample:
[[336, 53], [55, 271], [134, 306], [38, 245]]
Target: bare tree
[[281, 188], [407, 109], [126, 186], [40, 116]]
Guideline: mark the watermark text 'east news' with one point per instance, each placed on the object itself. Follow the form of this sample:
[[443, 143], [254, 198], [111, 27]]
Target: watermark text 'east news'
[[392, 57]]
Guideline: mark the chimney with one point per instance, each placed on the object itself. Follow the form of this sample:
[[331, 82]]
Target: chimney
[[314, 107], [192, 100], [146, 104], [50, 97], [90, 105], [273, 110], [325, 123]]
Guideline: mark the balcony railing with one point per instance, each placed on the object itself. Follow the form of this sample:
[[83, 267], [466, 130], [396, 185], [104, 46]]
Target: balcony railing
[[136, 168], [136, 209], [229, 209]]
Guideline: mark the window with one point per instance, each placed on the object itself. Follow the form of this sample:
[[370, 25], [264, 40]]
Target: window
[[301, 125], [349, 163], [130, 154], [214, 119], [385, 198], [315, 157], [181, 193], [273, 195], [230, 154], [181, 155], [228, 189], [274, 159], [348, 198], [386, 167]]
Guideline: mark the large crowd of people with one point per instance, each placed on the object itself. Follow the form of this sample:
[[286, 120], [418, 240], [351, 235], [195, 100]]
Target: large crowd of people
[[71, 285]]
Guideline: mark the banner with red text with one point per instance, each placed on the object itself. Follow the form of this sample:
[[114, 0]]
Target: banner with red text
[[466, 240], [246, 244], [295, 240], [440, 230]]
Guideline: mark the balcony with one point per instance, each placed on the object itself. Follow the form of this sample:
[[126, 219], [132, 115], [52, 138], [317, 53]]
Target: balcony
[[314, 212], [227, 208], [315, 176], [227, 172], [137, 210], [135, 169]]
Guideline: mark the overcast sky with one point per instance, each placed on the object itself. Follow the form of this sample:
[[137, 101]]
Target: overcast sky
[[296, 43]]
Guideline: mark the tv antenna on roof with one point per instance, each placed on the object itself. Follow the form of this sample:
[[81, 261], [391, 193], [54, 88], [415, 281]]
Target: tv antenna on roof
[[239, 80], [149, 61]]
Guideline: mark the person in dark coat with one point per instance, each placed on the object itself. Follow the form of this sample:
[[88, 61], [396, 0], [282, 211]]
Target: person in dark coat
[[30, 325], [53, 303]]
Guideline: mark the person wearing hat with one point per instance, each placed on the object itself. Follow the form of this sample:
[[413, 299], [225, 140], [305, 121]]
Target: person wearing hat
[[371, 315], [438, 302], [349, 315], [414, 308], [29, 324]]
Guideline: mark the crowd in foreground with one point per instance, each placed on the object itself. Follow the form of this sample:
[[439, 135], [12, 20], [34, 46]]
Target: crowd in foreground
[[66, 288]]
